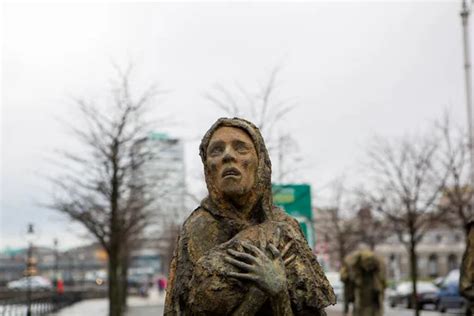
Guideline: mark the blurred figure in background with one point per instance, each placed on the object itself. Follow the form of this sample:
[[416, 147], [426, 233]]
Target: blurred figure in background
[[143, 289], [348, 286], [466, 281], [366, 274], [162, 284], [60, 286]]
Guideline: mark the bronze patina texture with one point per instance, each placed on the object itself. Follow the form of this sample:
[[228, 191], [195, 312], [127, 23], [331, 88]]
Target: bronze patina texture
[[238, 254], [466, 281], [365, 272]]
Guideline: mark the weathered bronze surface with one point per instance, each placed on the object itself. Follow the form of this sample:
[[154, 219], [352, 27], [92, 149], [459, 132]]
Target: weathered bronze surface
[[466, 281], [364, 273], [238, 254]]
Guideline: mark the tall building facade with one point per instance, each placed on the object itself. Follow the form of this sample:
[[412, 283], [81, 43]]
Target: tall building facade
[[166, 175], [166, 171]]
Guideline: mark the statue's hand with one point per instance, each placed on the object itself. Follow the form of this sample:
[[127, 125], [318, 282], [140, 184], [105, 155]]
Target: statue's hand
[[268, 272]]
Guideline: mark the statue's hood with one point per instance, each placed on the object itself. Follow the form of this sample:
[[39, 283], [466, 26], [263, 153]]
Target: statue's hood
[[262, 199]]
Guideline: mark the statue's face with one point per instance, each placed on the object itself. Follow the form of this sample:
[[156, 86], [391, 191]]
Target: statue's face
[[232, 161]]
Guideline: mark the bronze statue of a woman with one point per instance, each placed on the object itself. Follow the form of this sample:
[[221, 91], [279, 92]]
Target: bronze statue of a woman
[[237, 253]]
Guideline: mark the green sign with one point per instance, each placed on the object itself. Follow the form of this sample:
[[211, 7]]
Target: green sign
[[158, 136], [295, 199]]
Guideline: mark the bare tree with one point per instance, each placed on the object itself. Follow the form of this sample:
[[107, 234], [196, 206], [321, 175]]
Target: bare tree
[[407, 181], [267, 110], [456, 199], [102, 186], [335, 222], [370, 228]]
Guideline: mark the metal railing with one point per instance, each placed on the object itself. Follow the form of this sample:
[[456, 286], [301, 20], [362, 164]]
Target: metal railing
[[14, 303]]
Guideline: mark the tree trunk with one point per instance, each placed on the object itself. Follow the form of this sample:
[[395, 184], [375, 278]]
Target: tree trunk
[[115, 253], [115, 301], [414, 275], [124, 273], [342, 251]]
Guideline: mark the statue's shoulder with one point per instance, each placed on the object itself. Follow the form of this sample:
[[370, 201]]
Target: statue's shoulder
[[280, 215], [198, 218], [201, 232], [199, 223]]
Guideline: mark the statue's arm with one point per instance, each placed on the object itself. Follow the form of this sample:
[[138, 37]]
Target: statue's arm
[[281, 304], [252, 302], [255, 298], [191, 292]]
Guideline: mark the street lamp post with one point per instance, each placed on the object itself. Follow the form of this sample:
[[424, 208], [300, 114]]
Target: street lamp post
[[465, 12], [55, 241], [30, 266]]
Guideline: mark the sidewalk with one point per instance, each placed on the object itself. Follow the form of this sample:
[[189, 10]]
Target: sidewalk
[[146, 306], [137, 306], [334, 310]]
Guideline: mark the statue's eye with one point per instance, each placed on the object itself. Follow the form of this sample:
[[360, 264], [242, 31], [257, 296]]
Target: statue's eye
[[216, 150], [242, 148]]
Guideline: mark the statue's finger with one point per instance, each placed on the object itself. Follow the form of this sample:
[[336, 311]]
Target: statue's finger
[[257, 252], [273, 250], [245, 276], [287, 247], [289, 260], [239, 264], [242, 255]]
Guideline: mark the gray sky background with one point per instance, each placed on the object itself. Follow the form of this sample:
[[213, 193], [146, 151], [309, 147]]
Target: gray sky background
[[356, 69]]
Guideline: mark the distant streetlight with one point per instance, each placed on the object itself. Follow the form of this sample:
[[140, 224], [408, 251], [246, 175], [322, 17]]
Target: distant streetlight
[[55, 242], [30, 266], [465, 12]]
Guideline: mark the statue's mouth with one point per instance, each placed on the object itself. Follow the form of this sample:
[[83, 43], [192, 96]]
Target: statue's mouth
[[231, 172]]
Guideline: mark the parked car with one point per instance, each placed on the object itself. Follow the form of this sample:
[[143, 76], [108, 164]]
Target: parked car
[[427, 293], [98, 277], [449, 296], [334, 279], [36, 283], [136, 281]]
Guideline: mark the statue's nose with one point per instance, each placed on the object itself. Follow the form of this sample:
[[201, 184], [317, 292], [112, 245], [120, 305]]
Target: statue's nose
[[229, 155]]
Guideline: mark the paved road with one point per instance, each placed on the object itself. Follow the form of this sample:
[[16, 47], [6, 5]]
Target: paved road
[[398, 311], [137, 306], [145, 311], [153, 306]]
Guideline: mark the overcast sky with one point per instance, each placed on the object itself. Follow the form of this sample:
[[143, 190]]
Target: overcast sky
[[356, 69]]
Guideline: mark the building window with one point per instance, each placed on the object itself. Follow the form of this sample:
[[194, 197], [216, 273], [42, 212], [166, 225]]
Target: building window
[[452, 262], [433, 266], [457, 238], [393, 267], [439, 238]]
